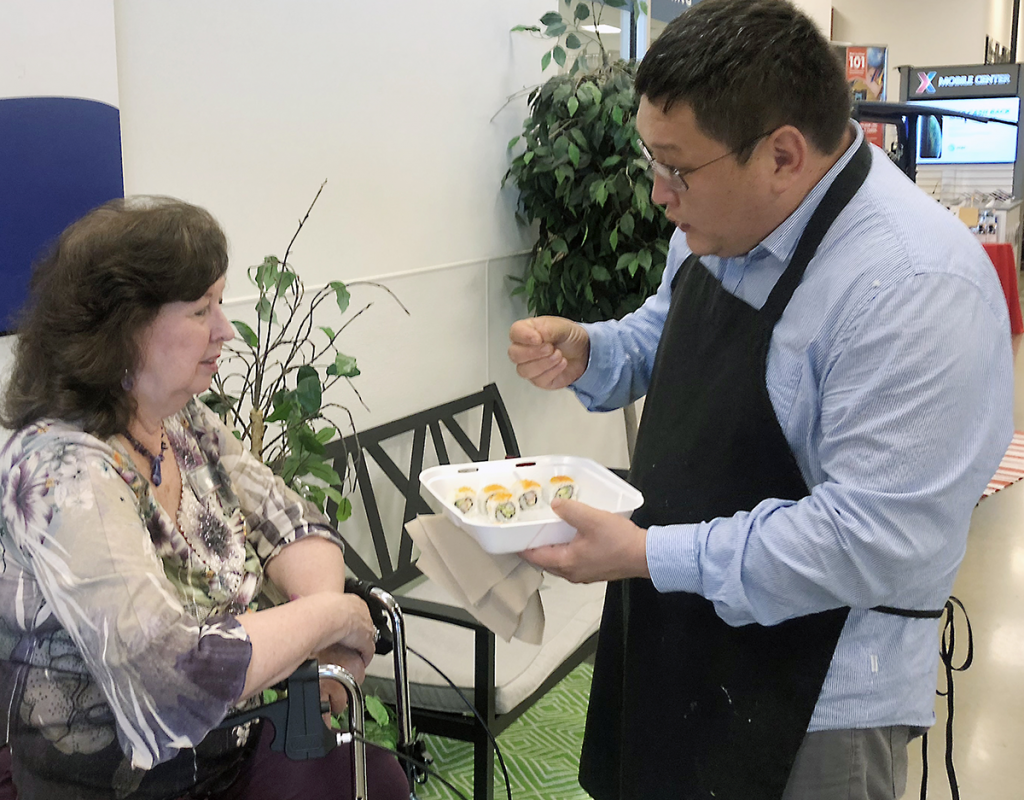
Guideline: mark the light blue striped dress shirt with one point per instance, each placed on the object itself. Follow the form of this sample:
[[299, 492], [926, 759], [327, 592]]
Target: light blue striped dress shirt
[[891, 375]]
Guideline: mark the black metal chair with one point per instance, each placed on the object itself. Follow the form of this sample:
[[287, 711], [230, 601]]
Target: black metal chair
[[387, 460]]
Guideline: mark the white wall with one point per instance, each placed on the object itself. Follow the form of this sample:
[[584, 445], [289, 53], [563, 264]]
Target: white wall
[[58, 48], [930, 33], [246, 107]]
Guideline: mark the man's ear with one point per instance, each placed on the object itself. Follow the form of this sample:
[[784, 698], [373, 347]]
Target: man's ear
[[790, 154]]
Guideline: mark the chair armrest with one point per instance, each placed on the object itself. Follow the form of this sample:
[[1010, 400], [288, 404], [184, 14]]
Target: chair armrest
[[441, 612]]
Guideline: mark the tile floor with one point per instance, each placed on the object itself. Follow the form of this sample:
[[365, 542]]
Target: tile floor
[[989, 710]]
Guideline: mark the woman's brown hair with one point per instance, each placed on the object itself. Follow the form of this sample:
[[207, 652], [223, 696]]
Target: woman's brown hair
[[91, 297]]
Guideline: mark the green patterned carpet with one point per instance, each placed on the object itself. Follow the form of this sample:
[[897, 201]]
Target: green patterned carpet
[[541, 749]]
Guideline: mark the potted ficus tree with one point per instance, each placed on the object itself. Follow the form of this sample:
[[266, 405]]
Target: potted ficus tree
[[601, 244], [582, 179]]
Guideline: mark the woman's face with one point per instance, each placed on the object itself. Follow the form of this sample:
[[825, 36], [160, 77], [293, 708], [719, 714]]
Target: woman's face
[[179, 352]]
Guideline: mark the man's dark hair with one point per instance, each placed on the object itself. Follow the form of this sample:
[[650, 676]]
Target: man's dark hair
[[746, 67], [91, 297]]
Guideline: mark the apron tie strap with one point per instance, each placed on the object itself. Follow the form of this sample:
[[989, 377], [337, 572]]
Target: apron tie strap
[[946, 649]]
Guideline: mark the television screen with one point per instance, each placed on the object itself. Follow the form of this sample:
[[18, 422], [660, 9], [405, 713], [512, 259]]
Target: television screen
[[955, 140]]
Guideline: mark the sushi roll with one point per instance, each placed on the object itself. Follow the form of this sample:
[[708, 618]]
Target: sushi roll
[[527, 494], [465, 499], [563, 487], [501, 507], [486, 492]]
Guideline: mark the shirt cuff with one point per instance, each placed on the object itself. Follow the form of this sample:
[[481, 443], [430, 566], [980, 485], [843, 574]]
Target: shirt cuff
[[592, 386], [673, 558]]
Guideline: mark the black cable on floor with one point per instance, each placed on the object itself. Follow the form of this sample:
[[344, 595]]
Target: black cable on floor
[[483, 723]]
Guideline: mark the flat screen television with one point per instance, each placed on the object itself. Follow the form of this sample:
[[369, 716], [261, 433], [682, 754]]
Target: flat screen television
[[955, 140]]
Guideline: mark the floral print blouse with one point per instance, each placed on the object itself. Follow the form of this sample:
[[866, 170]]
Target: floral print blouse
[[117, 621]]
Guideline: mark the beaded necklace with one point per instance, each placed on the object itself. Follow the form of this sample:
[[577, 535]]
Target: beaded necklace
[[154, 460]]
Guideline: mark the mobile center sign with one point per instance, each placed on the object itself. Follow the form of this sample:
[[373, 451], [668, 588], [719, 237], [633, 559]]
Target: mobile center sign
[[992, 80]]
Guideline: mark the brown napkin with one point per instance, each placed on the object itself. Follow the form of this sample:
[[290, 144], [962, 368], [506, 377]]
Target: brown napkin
[[499, 589]]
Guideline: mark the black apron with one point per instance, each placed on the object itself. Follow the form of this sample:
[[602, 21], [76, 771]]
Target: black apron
[[684, 705]]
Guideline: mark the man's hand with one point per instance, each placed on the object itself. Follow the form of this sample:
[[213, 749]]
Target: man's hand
[[550, 352], [607, 546]]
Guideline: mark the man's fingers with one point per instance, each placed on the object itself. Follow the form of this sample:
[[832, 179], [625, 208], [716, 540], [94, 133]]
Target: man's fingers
[[549, 557], [575, 513], [525, 332]]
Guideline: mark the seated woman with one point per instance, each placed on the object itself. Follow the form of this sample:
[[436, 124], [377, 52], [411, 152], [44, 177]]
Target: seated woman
[[137, 533]]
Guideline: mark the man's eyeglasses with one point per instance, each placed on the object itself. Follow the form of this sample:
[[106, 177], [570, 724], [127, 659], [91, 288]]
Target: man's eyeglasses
[[676, 178]]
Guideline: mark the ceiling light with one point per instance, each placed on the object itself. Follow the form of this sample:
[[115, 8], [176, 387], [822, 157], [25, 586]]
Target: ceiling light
[[602, 28]]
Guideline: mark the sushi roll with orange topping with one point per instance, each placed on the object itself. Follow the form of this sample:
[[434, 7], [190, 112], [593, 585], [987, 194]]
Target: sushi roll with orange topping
[[501, 507], [562, 487], [527, 494], [486, 492], [465, 499]]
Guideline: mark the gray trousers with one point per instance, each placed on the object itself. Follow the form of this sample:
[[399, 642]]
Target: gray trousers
[[861, 764]]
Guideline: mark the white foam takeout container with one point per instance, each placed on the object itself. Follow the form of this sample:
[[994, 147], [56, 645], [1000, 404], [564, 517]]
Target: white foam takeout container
[[598, 487]]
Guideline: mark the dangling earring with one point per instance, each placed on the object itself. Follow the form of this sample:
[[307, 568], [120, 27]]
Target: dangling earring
[[127, 381]]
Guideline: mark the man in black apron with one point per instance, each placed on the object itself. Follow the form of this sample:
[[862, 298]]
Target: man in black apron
[[744, 120]]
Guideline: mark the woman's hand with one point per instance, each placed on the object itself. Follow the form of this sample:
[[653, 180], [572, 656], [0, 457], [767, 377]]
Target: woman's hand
[[331, 690]]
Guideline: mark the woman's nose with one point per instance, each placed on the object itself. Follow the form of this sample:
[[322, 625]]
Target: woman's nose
[[224, 331]]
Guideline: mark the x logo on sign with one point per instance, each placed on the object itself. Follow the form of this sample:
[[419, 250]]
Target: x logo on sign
[[926, 83]]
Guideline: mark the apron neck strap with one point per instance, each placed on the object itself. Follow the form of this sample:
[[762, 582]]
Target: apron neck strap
[[842, 190]]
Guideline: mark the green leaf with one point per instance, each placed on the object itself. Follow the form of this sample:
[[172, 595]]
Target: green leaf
[[559, 55], [640, 196], [574, 152], [532, 28], [303, 438], [341, 295], [285, 279], [283, 409], [263, 309], [377, 710], [558, 245], [626, 224], [266, 273], [324, 435], [617, 115], [545, 60], [582, 11], [328, 331], [611, 161], [324, 471], [556, 30], [343, 365], [615, 3], [572, 105], [599, 273], [551, 18], [528, 156], [309, 394], [572, 41], [248, 334], [344, 510], [613, 238], [513, 142]]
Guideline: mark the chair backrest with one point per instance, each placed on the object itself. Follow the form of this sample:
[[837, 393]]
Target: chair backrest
[[396, 562]]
